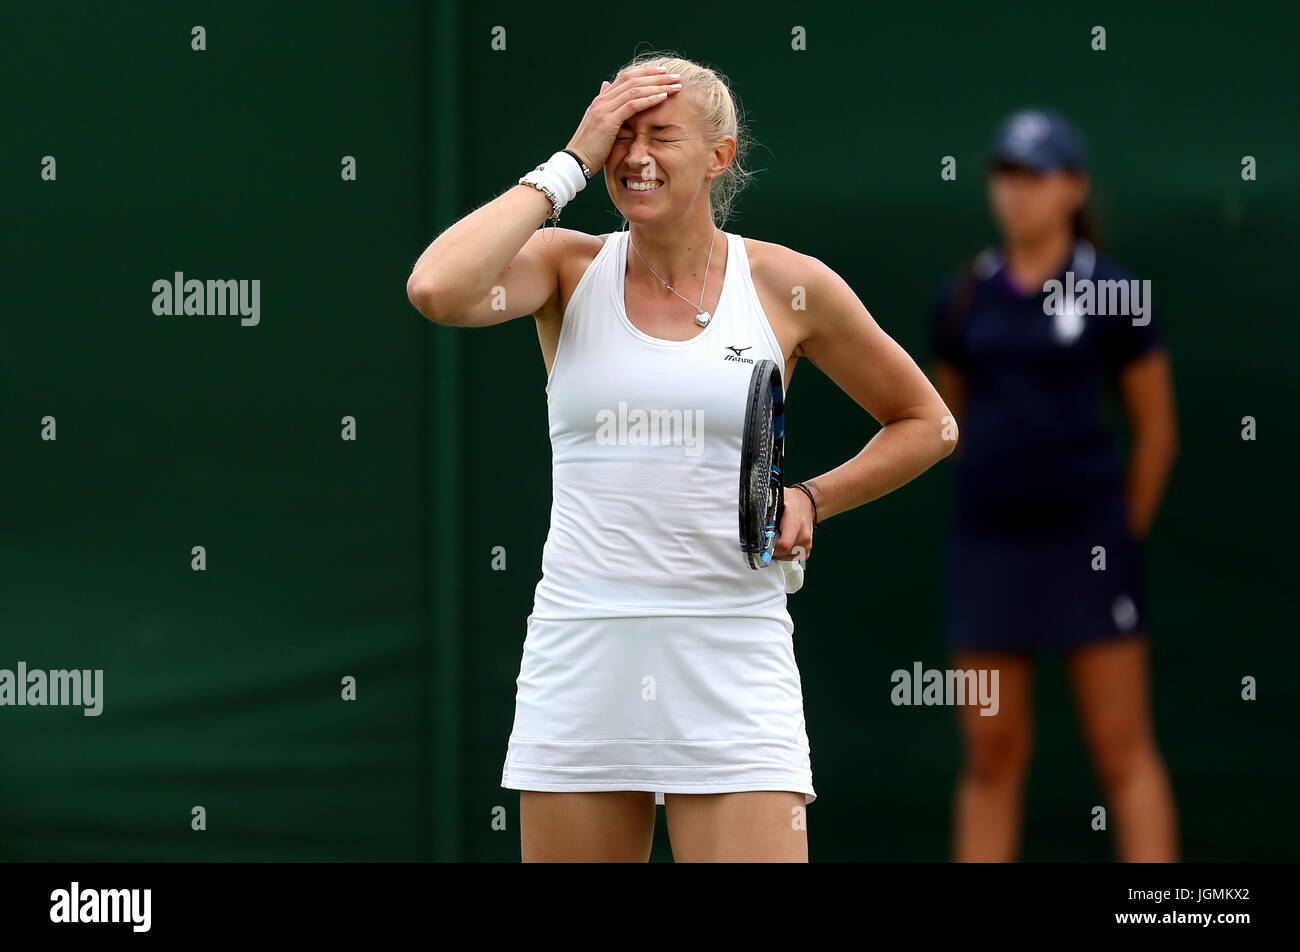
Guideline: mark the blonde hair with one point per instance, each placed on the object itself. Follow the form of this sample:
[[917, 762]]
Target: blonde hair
[[720, 115]]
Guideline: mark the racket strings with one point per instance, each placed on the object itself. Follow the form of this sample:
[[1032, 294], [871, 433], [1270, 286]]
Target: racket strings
[[761, 479]]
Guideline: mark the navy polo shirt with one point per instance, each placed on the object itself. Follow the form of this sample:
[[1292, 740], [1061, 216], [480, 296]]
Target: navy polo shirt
[[1034, 444]]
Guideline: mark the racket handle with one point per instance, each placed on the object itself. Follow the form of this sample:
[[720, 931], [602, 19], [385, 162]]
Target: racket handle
[[793, 569]]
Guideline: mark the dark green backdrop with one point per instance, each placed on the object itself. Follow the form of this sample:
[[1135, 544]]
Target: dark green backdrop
[[372, 558]]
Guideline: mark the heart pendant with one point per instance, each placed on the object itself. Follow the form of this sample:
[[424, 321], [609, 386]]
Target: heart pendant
[[703, 318]]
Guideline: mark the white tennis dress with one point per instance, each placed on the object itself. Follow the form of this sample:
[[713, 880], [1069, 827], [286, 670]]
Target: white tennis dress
[[655, 658]]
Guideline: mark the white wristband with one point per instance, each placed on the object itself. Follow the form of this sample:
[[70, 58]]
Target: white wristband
[[559, 178]]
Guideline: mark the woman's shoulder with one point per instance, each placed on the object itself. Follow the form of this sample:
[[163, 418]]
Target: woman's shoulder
[[574, 252], [779, 268], [962, 278], [571, 253], [769, 254], [569, 243]]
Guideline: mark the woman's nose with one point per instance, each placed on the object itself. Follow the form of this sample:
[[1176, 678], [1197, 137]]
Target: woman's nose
[[639, 161]]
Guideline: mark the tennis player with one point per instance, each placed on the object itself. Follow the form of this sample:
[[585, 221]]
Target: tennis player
[[657, 665], [1045, 552]]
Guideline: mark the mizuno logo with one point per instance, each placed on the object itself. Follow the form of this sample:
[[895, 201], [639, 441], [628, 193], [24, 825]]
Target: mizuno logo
[[736, 354]]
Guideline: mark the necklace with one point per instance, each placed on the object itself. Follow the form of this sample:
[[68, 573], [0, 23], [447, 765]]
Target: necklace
[[702, 317]]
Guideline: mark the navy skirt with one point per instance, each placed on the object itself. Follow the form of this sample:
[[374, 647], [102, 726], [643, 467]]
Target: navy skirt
[[1033, 581]]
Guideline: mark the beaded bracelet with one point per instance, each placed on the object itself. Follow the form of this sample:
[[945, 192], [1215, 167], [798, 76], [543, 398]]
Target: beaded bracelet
[[808, 493]]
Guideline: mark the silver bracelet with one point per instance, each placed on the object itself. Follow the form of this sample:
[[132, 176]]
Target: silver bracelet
[[549, 193], [559, 178]]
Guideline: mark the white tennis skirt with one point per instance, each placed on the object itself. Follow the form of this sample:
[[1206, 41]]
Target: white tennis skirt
[[669, 704]]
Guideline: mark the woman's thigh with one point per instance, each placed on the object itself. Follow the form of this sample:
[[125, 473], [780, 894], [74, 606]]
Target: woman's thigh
[[608, 827], [754, 826], [1000, 744], [1112, 691]]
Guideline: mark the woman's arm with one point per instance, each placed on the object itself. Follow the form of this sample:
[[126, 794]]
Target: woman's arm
[[841, 337], [494, 264], [499, 245], [950, 381], [1146, 387]]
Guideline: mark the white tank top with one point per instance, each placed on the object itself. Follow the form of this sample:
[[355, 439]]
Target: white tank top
[[645, 456]]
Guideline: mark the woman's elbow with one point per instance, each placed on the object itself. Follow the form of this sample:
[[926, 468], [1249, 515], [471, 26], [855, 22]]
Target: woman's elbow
[[425, 299], [947, 433]]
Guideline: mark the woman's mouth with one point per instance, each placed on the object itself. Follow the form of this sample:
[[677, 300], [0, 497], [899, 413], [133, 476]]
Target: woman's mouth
[[642, 185]]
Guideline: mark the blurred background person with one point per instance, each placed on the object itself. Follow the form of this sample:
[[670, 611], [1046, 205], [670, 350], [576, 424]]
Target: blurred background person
[[1045, 551]]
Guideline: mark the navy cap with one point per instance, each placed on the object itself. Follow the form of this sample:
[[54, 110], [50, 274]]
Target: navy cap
[[1039, 140]]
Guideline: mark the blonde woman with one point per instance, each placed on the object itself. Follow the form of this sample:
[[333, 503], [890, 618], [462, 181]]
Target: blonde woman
[[657, 664]]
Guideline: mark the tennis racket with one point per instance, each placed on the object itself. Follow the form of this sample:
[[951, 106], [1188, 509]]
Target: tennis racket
[[762, 454]]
